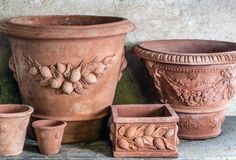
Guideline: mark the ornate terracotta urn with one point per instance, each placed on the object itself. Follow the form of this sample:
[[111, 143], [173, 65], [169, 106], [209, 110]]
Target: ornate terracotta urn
[[67, 68], [196, 77]]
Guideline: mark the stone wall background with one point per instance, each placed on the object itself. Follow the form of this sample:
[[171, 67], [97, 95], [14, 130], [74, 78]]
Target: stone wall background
[[154, 19]]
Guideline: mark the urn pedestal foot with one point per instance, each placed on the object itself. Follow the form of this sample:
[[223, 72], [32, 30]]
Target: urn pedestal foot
[[200, 125]]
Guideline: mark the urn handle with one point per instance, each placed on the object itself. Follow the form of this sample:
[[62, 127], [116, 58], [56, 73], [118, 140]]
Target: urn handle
[[4, 28], [12, 66], [123, 66]]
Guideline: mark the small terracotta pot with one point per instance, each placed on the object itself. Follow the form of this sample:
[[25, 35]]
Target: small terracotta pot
[[148, 130], [196, 77], [49, 135], [14, 119], [60, 62]]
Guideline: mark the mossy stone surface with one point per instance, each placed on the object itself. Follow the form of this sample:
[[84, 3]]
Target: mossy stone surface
[[9, 92]]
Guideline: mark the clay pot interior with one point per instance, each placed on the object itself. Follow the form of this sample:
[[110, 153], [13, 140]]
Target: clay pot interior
[[64, 20], [48, 124], [14, 119], [136, 111], [66, 26], [142, 113], [11, 110], [49, 135], [189, 46]]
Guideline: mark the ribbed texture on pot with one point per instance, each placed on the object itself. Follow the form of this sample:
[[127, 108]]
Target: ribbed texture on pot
[[163, 54]]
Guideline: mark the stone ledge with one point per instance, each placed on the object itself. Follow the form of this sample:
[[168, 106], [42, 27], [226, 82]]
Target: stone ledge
[[222, 147]]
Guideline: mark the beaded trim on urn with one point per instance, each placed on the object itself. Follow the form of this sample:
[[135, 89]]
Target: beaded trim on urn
[[181, 58]]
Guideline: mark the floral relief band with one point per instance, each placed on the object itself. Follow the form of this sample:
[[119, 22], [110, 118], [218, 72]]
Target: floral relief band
[[65, 78]]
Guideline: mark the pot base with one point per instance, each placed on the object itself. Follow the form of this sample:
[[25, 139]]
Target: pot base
[[201, 125], [197, 137], [12, 154], [78, 131], [139, 154]]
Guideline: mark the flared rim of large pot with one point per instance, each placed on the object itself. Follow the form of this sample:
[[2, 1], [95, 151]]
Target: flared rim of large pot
[[187, 51], [66, 26], [15, 110]]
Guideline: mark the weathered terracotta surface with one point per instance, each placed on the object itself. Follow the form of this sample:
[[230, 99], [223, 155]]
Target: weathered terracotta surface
[[196, 77], [148, 130], [14, 119], [67, 68], [49, 135]]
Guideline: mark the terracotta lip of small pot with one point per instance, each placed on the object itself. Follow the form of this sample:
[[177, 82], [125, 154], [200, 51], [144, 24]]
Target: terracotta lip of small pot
[[66, 26], [187, 51], [15, 110], [49, 124]]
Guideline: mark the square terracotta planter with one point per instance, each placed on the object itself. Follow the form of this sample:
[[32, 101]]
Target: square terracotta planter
[[148, 130]]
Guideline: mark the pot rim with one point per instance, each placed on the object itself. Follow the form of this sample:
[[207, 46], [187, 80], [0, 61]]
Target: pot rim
[[173, 117], [36, 124], [186, 58], [16, 114], [113, 26]]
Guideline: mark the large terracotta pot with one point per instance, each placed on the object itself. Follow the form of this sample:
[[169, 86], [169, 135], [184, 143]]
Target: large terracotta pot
[[67, 68], [196, 77]]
